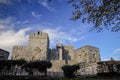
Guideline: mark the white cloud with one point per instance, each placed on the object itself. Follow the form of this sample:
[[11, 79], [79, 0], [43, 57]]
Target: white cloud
[[58, 36], [1, 27], [7, 20], [35, 14], [9, 37], [6, 23], [117, 50], [22, 22], [116, 54], [46, 4]]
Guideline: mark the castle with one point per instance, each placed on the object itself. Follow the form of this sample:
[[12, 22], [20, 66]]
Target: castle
[[38, 49]]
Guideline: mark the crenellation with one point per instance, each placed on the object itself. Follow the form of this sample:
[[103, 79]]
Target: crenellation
[[68, 46], [45, 35], [39, 35], [19, 47], [38, 49], [31, 35]]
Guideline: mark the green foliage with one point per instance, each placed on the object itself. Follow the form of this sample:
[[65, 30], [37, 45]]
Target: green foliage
[[7, 65], [98, 12], [69, 70], [55, 78], [41, 66]]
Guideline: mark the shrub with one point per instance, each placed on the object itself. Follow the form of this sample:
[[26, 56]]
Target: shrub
[[69, 70]]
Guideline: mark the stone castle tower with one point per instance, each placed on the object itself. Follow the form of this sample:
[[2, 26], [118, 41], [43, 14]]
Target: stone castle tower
[[37, 48]]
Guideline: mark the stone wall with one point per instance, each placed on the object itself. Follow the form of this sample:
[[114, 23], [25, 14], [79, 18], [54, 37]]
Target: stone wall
[[57, 65], [62, 52], [53, 55], [87, 54], [36, 50], [20, 52], [39, 44], [87, 69], [3, 54], [56, 68], [68, 52]]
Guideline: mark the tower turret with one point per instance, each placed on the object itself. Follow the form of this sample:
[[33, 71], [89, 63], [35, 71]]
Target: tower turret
[[39, 44], [60, 51]]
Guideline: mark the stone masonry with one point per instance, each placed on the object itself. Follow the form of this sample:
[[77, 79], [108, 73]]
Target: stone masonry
[[38, 49]]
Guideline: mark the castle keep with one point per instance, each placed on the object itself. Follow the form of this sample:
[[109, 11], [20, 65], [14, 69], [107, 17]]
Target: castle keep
[[38, 49]]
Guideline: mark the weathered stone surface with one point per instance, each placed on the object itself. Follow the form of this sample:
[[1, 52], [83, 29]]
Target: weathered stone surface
[[87, 54], [38, 49]]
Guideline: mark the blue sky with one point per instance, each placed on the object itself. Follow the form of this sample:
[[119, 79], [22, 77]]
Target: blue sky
[[20, 17]]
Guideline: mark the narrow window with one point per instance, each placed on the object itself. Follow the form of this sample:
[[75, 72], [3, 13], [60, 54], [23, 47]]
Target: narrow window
[[38, 33], [94, 57]]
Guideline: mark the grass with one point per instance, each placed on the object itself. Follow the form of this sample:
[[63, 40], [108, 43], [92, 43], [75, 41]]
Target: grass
[[55, 78], [93, 78]]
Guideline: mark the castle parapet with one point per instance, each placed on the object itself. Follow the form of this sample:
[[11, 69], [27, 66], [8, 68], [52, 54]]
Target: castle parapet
[[19, 47], [32, 35], [39, 34], [68, 47]]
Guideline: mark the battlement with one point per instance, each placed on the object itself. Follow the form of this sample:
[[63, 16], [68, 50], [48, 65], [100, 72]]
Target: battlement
[[64, 46], [87, 47], [68, 46], [39, 34], [38, 49], [19, 47]]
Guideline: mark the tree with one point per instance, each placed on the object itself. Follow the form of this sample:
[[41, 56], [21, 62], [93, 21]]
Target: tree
[[2, 66], [69, 70], [28, 67], [104, 14], [41, 66], [7, 66], [17, 64]]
